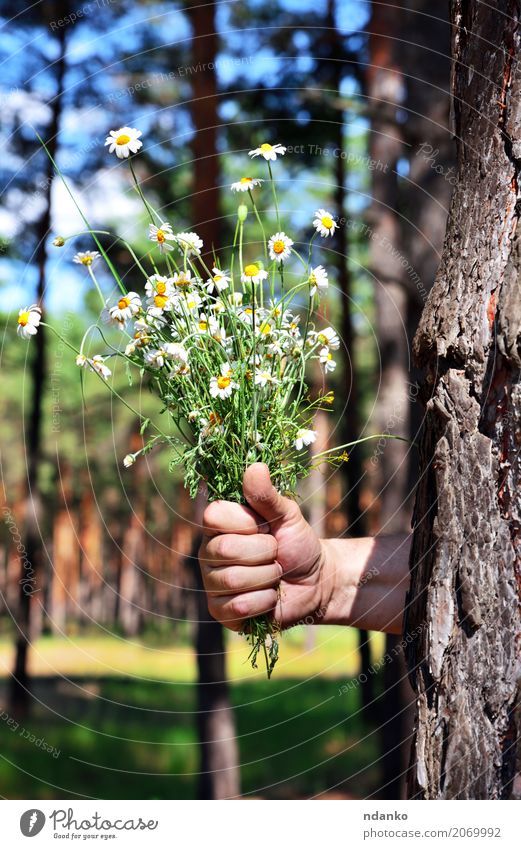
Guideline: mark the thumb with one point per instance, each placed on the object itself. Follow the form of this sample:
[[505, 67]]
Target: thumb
[[264, 498]]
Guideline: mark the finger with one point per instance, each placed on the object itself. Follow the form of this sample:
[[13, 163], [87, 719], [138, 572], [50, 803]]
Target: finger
[[241, 579], [264, 498], [230, 549], [232, 612], [222, 517]]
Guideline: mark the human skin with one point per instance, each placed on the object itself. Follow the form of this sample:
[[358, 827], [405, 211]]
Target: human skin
[[265, 558]]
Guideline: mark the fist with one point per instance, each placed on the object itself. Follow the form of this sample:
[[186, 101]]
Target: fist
[[262, 558]]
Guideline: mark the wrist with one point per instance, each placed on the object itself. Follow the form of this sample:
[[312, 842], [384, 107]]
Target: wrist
[[332, 592]]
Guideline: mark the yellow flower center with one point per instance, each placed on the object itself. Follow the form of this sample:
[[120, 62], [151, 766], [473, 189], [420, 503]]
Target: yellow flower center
[[217, 278], [23, 318], [329, 398], [278, 247], [251, 270], [160, 287], [191, 304], [248, 311], [203, 325], [223, 382], [123, 303], [160, 300], [327, 221], [123, 139], [182, 281], [245, 180], [160, 236], [265, 328], [266, 147], [312, 279], [86, 260]]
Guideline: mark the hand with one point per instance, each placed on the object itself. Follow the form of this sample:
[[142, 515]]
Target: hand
[[248, 551]]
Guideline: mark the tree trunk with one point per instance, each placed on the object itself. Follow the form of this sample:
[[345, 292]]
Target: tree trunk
[[219, 774], [19, 682], [463, 609], [205, 119], [389, 466], [385, 90]]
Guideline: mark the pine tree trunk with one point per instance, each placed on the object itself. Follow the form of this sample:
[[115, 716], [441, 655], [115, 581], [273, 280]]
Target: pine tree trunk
[[219, 774], [464, 603], [19, 683]]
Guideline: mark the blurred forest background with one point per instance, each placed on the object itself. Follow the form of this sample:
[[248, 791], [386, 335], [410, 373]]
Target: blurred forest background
[[114, 681]]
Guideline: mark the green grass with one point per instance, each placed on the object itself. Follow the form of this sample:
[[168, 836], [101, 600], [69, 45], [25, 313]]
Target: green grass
[[121, 734]]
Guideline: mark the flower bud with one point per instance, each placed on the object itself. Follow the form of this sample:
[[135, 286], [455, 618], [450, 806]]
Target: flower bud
[[242, 212], [59, 242]]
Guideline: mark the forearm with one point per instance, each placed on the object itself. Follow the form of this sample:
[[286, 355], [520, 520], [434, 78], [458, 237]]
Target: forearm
[[365, 581]]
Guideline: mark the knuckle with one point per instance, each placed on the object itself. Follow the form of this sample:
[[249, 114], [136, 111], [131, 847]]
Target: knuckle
[[231, 580], [239, 608], [226, 547]]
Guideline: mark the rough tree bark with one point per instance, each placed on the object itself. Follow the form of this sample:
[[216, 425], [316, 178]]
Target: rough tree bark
[[464, 604]]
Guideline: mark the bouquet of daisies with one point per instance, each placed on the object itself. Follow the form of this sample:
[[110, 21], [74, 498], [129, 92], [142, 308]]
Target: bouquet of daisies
[[224, 343]]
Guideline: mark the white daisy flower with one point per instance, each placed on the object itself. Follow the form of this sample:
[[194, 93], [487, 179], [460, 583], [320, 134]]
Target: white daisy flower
[[318, 280], [279, 247], [304, 437], [218, 282], [189, 243], [204, 323], [156, 357], [28, 321], [129, 460], [268, 151], [263, 378], [329, 338], [97, 364], [124, 141], [217, 306], [252, 273], [158, 285], [326, 358], [81, 360], [274, 349], [86, 257], [187, 301], [178, 355], [265, 329], [293, 328], [218, 333], [246, 315], [162, 235], [127, 306], [183, 279], [223, 385], [245, 183], [157, 304], [324, 222]]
